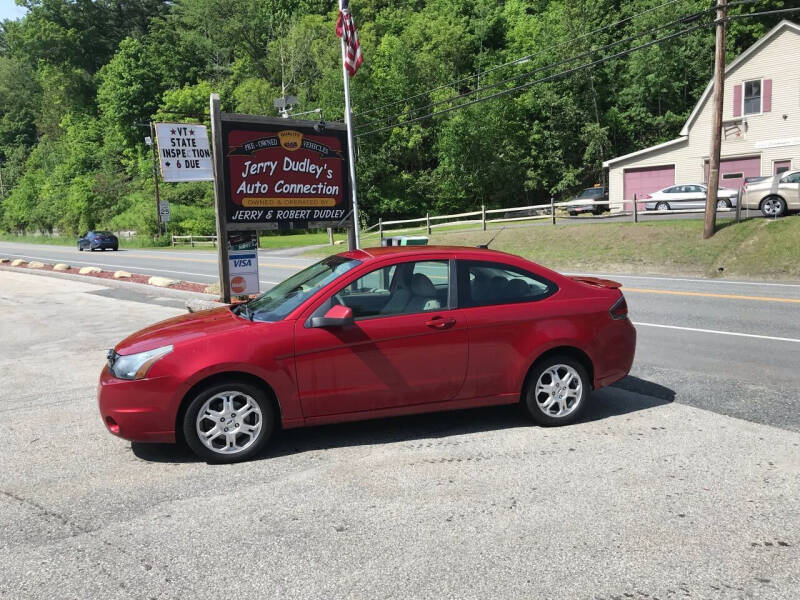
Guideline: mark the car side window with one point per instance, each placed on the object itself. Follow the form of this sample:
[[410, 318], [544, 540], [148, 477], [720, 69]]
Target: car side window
[[486, 283], [792, 178], [400, 289]]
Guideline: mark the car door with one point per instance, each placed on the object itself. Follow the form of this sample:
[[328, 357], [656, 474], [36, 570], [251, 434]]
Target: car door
[[407, 346], [507, 309], [789, 188], [695, 196]]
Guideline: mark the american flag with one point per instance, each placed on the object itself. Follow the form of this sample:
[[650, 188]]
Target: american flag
[[346, 29]]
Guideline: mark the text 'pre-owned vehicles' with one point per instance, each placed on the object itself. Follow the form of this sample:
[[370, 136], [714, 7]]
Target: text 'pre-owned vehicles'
[[98, 240], [774, 196], [365, 334], [690, 195]]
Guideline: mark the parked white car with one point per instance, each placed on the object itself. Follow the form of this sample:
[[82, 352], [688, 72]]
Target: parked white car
[[774, 196], [688, 195]]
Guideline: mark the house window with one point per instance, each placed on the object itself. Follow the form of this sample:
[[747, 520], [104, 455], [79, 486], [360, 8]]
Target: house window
[[732, 175], [752, 97]]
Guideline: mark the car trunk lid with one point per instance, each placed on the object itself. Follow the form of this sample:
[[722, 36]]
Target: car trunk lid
[[597, 282]]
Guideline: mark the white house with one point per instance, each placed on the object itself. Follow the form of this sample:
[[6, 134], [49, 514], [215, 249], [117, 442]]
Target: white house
[[760, 126]]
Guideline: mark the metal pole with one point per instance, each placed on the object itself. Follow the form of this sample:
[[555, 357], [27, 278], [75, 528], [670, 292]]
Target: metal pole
[[739, 205], [428, 221], [219, 200], [353, 240], [483, 216], [553, 209], [380, 230], [710, 223], [155, 176], [635, 209]]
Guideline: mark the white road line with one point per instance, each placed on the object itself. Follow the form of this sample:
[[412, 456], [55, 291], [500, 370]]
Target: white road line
[[723, 281], [734, 333], [131, 267]]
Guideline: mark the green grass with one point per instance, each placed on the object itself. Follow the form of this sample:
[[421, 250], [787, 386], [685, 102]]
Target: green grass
[[294, 240], [757, 249]]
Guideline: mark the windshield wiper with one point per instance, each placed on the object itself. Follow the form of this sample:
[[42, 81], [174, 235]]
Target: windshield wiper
[[243, 308]]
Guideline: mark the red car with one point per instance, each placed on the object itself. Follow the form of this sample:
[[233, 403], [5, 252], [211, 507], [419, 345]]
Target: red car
[[366, 334]]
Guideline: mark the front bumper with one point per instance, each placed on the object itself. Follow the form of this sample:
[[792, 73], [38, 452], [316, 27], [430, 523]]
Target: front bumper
[[141, 410]]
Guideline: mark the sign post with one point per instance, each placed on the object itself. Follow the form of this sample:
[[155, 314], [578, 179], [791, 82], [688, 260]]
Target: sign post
[[275, 174]]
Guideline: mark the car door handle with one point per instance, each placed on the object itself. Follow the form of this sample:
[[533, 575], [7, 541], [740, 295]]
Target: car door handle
[[440, 323]]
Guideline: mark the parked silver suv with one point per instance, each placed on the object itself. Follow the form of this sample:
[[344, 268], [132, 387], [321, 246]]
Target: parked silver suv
[[774, 196]]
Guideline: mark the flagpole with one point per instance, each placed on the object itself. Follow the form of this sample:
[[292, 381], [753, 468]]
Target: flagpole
[[353, 241]]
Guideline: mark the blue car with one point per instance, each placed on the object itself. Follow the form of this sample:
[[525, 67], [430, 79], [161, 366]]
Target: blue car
[[98, 240]]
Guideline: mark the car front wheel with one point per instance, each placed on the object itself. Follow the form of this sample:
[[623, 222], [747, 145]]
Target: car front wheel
[[662, 206], [773, 206], [722, 203], [228, 422], [556, 390]]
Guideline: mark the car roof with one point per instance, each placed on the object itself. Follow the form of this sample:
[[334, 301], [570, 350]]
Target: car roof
[[410, 251]]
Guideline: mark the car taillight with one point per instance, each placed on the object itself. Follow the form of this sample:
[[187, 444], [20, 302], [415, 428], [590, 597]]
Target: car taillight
[[620, 309], [645, 197]]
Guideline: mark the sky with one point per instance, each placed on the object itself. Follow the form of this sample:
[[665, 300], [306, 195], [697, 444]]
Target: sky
[[9, 10]]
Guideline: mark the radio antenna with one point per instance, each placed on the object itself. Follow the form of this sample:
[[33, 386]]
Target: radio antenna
[[486, 245]]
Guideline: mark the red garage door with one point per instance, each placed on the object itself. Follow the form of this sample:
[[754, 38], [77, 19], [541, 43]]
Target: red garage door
[[646, 180], [732, 171]]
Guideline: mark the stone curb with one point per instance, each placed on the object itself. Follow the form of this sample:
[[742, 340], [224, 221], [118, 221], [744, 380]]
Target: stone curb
[[116, 283]]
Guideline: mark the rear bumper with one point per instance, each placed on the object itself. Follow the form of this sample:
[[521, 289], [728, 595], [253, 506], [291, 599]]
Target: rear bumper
[[140, 411], [618, 355]]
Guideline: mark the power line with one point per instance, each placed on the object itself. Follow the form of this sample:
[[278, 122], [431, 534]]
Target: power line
[[543, 79], [522, 58], [683, 20]]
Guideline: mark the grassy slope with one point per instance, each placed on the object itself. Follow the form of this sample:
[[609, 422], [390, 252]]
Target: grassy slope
[[758, 248]]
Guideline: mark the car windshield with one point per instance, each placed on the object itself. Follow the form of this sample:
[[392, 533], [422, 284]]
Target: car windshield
[[278, 302], [103, 233], [592, 193]]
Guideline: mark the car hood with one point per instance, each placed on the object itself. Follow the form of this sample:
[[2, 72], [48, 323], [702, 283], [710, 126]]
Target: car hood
[[180, 329]]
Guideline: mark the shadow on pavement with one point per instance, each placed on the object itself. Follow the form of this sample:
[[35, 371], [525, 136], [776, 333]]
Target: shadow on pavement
[[604, 404]]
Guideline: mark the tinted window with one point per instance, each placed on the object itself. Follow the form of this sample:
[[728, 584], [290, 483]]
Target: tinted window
[[673, 190], [592, 193], [486, 283], [405, 288]]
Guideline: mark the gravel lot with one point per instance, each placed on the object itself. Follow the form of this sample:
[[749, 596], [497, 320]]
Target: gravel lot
[[646, 498]]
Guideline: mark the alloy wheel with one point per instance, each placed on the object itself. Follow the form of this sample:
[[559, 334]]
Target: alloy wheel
[[229, 422], [558, 390], [772, 207]]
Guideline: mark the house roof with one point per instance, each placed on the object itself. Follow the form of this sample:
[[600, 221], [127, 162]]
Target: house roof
[[735, 63], [684, 134], [645, 150]]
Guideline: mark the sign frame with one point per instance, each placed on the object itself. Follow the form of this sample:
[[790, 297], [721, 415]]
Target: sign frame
[[272, 125]]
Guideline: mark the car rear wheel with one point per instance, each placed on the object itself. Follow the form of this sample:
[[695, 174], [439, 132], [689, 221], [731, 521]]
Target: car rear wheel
[[556, 390], [662, 206], [723, 203], [228, 422], [773, 206]]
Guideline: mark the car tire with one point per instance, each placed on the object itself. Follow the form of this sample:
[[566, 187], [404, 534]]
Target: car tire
[[553, 406], [572, 213], [80, 248], [773, 206], [723, 203], [213, 402], [662, 206]]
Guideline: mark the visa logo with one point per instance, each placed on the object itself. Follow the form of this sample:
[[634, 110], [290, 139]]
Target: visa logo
[[242, 262]]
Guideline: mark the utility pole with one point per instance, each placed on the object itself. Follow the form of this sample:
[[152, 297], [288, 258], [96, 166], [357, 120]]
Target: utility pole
[[716, 121], [2, 189], [155, 176]]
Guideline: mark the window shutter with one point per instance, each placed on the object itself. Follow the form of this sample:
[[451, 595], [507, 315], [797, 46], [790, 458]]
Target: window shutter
[[766, 100], [737, 100]]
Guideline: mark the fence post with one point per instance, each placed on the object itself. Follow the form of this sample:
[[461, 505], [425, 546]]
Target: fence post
[[483, 216], [380, 230], [635, 209], [191, 239], [173, 240], [330, 235], [553, 209], [739, 205], [428, 221]]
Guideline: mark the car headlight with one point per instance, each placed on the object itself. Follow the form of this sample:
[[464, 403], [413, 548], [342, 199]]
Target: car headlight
[[135, 366]]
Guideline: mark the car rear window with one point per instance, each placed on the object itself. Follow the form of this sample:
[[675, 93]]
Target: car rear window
[[484, 283]]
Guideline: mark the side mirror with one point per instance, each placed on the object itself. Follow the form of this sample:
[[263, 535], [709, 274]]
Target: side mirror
[[337, 316]]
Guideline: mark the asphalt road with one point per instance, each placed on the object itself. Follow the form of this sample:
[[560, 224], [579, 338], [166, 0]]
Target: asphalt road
[[647, 497]]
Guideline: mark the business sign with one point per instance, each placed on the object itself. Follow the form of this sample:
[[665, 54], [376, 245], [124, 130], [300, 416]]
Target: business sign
[[183, 152], [164, 212], [243, 262], [283, 174], [778, 143]]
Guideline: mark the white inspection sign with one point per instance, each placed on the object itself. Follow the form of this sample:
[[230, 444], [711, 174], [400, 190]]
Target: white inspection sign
[[183, 152]]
